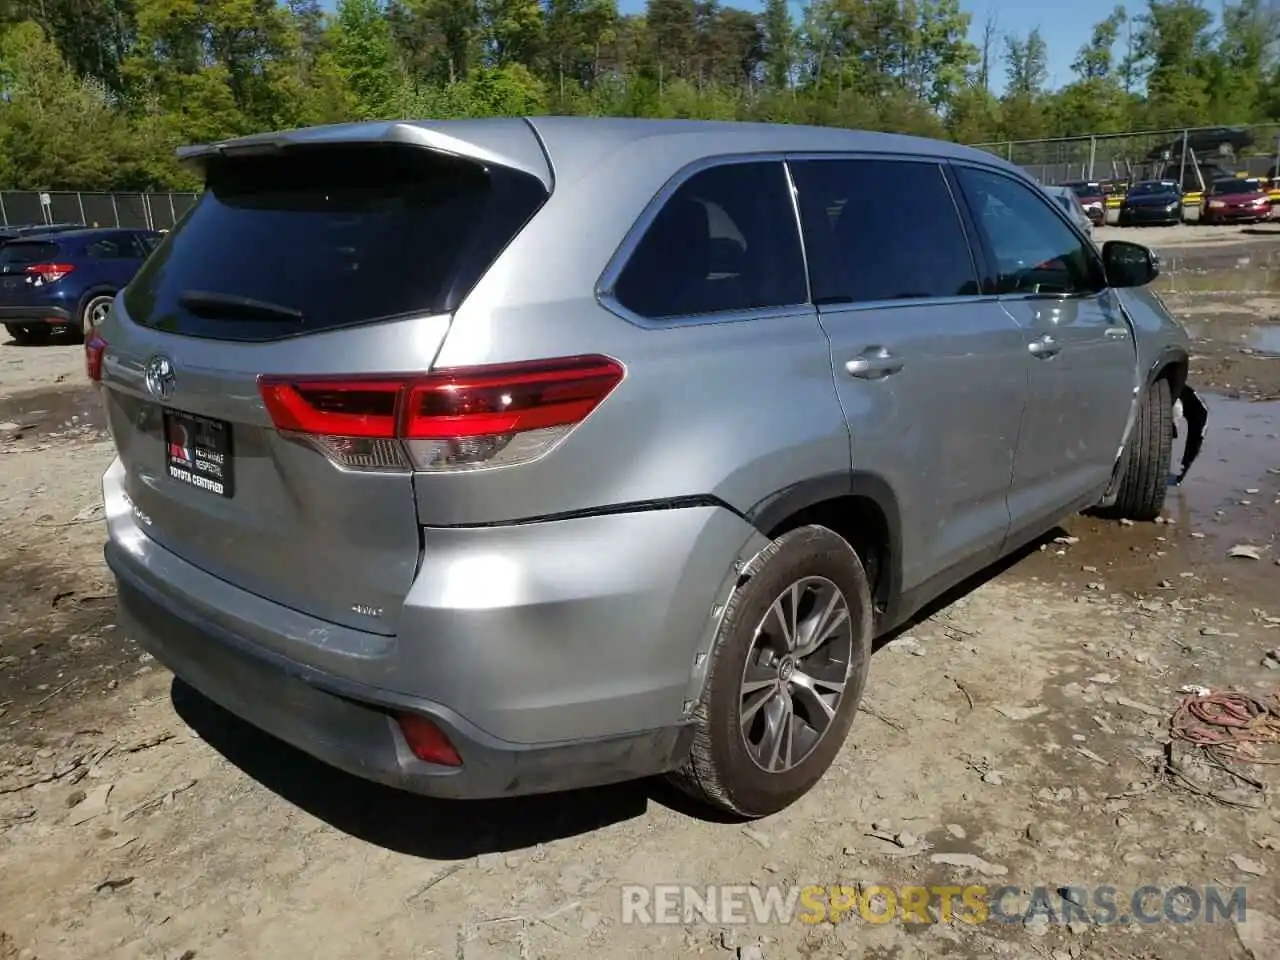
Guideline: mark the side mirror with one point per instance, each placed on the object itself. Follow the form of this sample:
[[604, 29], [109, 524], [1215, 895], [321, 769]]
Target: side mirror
[[1129, 264]]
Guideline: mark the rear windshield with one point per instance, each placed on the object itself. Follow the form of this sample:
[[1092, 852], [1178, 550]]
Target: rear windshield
[[20, 254], [322, 237], [1086, 189], [1236, 185]]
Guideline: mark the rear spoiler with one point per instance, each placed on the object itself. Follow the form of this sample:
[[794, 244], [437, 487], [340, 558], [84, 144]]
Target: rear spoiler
[[507, 142]]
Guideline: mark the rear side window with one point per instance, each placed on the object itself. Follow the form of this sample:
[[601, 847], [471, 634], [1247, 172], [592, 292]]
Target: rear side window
[[111, 248], [321, 237], [725, 240], [20, 254], [861, 250]]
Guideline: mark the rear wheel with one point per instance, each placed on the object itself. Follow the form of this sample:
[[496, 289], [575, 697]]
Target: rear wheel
[[93, 312], [1145, 479], [786, 675], [26, 333]]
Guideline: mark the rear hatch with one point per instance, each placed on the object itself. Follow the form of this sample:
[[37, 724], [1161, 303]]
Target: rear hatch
[[308, 260], [19, 285]]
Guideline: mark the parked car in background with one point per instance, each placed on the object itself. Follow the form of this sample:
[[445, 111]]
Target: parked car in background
[[505, 456], [66, 280], [1092, 199], [1151, 202], [1235, 200], [1224, 141], [1066, 198]]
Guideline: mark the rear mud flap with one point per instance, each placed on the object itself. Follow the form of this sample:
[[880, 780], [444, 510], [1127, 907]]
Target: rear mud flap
[[1189, 407]]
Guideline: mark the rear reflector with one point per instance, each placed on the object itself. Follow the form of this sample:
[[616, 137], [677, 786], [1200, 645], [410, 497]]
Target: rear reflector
[[427, 741], [49, 272], [453, 419], [94, 348]]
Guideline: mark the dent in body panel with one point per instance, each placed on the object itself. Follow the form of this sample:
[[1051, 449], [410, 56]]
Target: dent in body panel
[[573, 628]]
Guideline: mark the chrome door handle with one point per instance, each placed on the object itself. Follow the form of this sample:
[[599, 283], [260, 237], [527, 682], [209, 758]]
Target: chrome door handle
[[1044, 347], [1117, 333], [873, 364]]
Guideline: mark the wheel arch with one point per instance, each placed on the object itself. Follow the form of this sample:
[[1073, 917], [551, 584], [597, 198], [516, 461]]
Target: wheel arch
[[859, 506]]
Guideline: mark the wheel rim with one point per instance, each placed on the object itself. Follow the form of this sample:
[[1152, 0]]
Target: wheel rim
[[98, 310], [794, 680]]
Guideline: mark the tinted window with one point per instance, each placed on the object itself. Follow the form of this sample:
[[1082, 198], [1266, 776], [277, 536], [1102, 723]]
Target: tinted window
[[110, 248], [859, 250], [1035, 252], [725, 240], [19, 254], [343, 234]]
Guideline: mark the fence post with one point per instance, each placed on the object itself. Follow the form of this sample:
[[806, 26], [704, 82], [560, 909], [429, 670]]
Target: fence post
[[1182, 168], [173, 213], [4, 216], [1009, 152], [80, 201], [1093, 155], [115, 210]]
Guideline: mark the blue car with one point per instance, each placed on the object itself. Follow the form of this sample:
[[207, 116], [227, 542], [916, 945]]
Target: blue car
[[66, 280]]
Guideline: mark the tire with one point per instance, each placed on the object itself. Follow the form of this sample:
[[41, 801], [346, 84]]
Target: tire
[[28, 333], [732, 769], [93, 312], [1145, 478]]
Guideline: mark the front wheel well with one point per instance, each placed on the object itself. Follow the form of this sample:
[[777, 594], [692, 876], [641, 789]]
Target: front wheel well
[[861, 522], [1175, 371]]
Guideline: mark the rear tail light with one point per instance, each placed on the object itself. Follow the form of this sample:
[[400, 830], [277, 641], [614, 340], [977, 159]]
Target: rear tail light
[[94, 348], [464, 418], [42, 273], [427, 741]]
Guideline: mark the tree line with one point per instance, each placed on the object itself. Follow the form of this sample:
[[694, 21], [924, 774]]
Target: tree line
[[96, 94]]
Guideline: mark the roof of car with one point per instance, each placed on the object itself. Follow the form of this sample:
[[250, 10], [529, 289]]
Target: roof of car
[[87, 233], [577, 145]]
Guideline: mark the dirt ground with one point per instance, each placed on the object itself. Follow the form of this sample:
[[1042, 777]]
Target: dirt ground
[[1017, 736]]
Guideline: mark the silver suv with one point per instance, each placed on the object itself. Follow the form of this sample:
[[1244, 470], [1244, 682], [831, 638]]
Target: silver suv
[[496, 457]]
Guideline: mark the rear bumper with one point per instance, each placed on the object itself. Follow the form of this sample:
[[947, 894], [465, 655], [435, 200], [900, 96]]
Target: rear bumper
[[35, 314], [350, 726], [537, 692]]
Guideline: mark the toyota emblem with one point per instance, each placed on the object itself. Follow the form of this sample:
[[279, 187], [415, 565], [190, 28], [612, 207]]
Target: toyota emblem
[[160, 378]]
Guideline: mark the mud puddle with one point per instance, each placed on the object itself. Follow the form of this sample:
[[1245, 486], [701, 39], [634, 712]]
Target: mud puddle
[[52, 413], [1231, 497], [1229, 301]]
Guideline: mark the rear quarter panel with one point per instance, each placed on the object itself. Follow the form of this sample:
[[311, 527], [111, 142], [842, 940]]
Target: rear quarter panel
[[733, 410]]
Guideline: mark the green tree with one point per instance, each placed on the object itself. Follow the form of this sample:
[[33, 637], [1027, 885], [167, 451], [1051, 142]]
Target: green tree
[[365, 56]]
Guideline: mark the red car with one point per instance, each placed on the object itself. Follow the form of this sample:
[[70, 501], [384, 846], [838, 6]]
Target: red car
[[1091, 197], [1235, 200]]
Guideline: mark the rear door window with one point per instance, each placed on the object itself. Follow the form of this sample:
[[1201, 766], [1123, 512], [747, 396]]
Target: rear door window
[[724, 241], [862, 251], [16, 256], [321, 237]]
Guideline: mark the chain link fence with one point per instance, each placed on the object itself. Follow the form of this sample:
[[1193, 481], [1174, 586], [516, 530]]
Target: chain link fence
[[1193, 157], [147, 211]]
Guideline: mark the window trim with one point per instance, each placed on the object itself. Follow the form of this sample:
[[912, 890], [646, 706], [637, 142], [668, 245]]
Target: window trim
[[605, 285], [1091, 250], [977, 252]]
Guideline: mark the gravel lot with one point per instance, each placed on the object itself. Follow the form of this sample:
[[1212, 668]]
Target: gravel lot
[[1016, 736]]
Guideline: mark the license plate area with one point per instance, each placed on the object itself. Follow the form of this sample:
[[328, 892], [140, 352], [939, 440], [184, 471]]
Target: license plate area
[[198, 452]]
